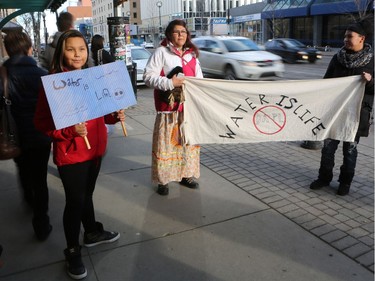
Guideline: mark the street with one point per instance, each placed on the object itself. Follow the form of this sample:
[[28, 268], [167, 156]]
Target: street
[[305, 70]]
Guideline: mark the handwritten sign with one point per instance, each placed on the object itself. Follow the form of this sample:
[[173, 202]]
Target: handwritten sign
[[81, 95]]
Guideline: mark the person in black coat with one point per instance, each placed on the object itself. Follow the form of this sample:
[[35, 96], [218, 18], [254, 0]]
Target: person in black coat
[[98, 53], [356, 57], [32, 164]]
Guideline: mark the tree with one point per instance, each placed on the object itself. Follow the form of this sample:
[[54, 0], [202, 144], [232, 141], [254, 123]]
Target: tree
[[31, 25], [363, 6]]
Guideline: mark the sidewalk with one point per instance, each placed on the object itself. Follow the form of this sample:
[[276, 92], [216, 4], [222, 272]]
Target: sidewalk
[[253, 217]]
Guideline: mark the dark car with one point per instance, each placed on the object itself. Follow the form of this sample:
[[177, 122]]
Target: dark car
[[292, 50]]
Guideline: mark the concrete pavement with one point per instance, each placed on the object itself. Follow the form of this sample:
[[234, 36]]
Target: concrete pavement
[[253, 217]]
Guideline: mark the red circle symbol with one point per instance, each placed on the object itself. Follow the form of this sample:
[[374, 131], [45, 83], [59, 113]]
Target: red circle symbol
[[269, 120]]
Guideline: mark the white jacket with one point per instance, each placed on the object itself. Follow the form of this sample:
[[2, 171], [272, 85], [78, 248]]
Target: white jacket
[[164, 58]]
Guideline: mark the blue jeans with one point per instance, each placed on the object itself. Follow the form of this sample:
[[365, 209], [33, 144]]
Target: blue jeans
[[327, 161]]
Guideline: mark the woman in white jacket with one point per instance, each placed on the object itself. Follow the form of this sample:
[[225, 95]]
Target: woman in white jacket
[[171, 159]]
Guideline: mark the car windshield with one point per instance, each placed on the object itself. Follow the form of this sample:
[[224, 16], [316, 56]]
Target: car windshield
[[294, 43], [140, 54], [240, 45]]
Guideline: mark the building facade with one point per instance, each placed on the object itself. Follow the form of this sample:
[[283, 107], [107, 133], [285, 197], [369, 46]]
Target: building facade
[[103, 9], [203, 17], [314, 22]]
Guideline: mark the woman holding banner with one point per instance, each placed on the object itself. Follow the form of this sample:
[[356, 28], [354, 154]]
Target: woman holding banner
[[171, 159], [78, 164], [355, 58]]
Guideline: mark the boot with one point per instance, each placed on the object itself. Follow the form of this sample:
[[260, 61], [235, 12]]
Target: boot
[[343, 189]]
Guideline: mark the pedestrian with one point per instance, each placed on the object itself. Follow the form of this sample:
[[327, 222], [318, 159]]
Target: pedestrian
[[171, 159], [78, 166], [32, 164], [355, 58], [99, 55], [64, 22]]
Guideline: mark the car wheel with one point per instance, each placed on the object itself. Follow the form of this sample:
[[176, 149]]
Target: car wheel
[[229, 73]]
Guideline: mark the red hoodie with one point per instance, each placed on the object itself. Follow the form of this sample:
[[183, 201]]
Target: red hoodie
[[68, 146]]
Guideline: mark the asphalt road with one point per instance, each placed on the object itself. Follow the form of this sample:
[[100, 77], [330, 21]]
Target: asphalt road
[[305, 70]]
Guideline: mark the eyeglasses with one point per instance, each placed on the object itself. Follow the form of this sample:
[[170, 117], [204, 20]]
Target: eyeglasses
[[179, 32]]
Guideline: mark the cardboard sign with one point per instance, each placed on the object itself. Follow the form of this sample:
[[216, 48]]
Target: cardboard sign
[[81, 95]]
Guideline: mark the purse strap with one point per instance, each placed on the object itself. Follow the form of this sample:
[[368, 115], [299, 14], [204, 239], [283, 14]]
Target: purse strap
[[4, 78]]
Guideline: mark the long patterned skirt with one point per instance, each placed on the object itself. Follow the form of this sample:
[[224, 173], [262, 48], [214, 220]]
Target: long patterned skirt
[[172, 161]]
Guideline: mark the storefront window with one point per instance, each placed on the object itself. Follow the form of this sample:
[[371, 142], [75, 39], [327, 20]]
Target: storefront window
[[302, 30], [335, 25], [253, 31]]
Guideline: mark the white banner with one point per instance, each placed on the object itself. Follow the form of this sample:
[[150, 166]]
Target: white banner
[[223, 111]]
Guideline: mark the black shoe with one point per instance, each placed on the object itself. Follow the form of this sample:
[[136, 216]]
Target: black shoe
[[74, 265], [343, 189], [318, 184], [42, 228], [189, 182], [163, 189], [100, 236]]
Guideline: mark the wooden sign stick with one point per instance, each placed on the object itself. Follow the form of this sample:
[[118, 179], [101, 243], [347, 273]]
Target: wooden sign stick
[[87, 142], [124, 128]]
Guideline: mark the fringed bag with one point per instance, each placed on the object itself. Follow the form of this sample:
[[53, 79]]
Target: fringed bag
[[9, 147]]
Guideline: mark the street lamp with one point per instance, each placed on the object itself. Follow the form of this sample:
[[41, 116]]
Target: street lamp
[[159, 4], [45, 28], [128, 28]]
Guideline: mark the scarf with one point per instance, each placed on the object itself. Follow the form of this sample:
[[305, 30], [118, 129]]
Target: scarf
[[357, 59]]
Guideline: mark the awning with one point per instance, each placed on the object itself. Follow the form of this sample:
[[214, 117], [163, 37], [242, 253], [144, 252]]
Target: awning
[[286, 9], [324, 7], [28, 6]]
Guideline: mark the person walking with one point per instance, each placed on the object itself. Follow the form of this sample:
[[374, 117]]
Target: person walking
[[32, 164], [171, 159], [99, 55], [64, 22], [356, 57], [78, 166]]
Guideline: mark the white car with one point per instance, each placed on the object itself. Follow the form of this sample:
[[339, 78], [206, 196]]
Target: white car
[[237, 58], [140, 56], [147, 45]]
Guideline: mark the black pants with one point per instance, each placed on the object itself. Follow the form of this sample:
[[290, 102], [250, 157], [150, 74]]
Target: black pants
[[32, 166], [79, 184], [327, 162]]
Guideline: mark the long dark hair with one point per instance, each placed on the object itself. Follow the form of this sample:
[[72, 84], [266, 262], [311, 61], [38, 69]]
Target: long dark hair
[[97, 43], [58, 57], [188, 43]]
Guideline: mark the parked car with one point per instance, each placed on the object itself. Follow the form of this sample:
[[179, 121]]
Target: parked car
[[292, 50], [147, 45], [140, 56], [237, 58]]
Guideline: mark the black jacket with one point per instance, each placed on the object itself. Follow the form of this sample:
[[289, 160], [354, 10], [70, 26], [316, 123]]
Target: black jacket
[[336, 69], [24, 82], [106, 57]]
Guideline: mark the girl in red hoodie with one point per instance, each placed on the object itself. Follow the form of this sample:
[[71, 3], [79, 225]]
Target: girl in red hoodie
[[78, 166]]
